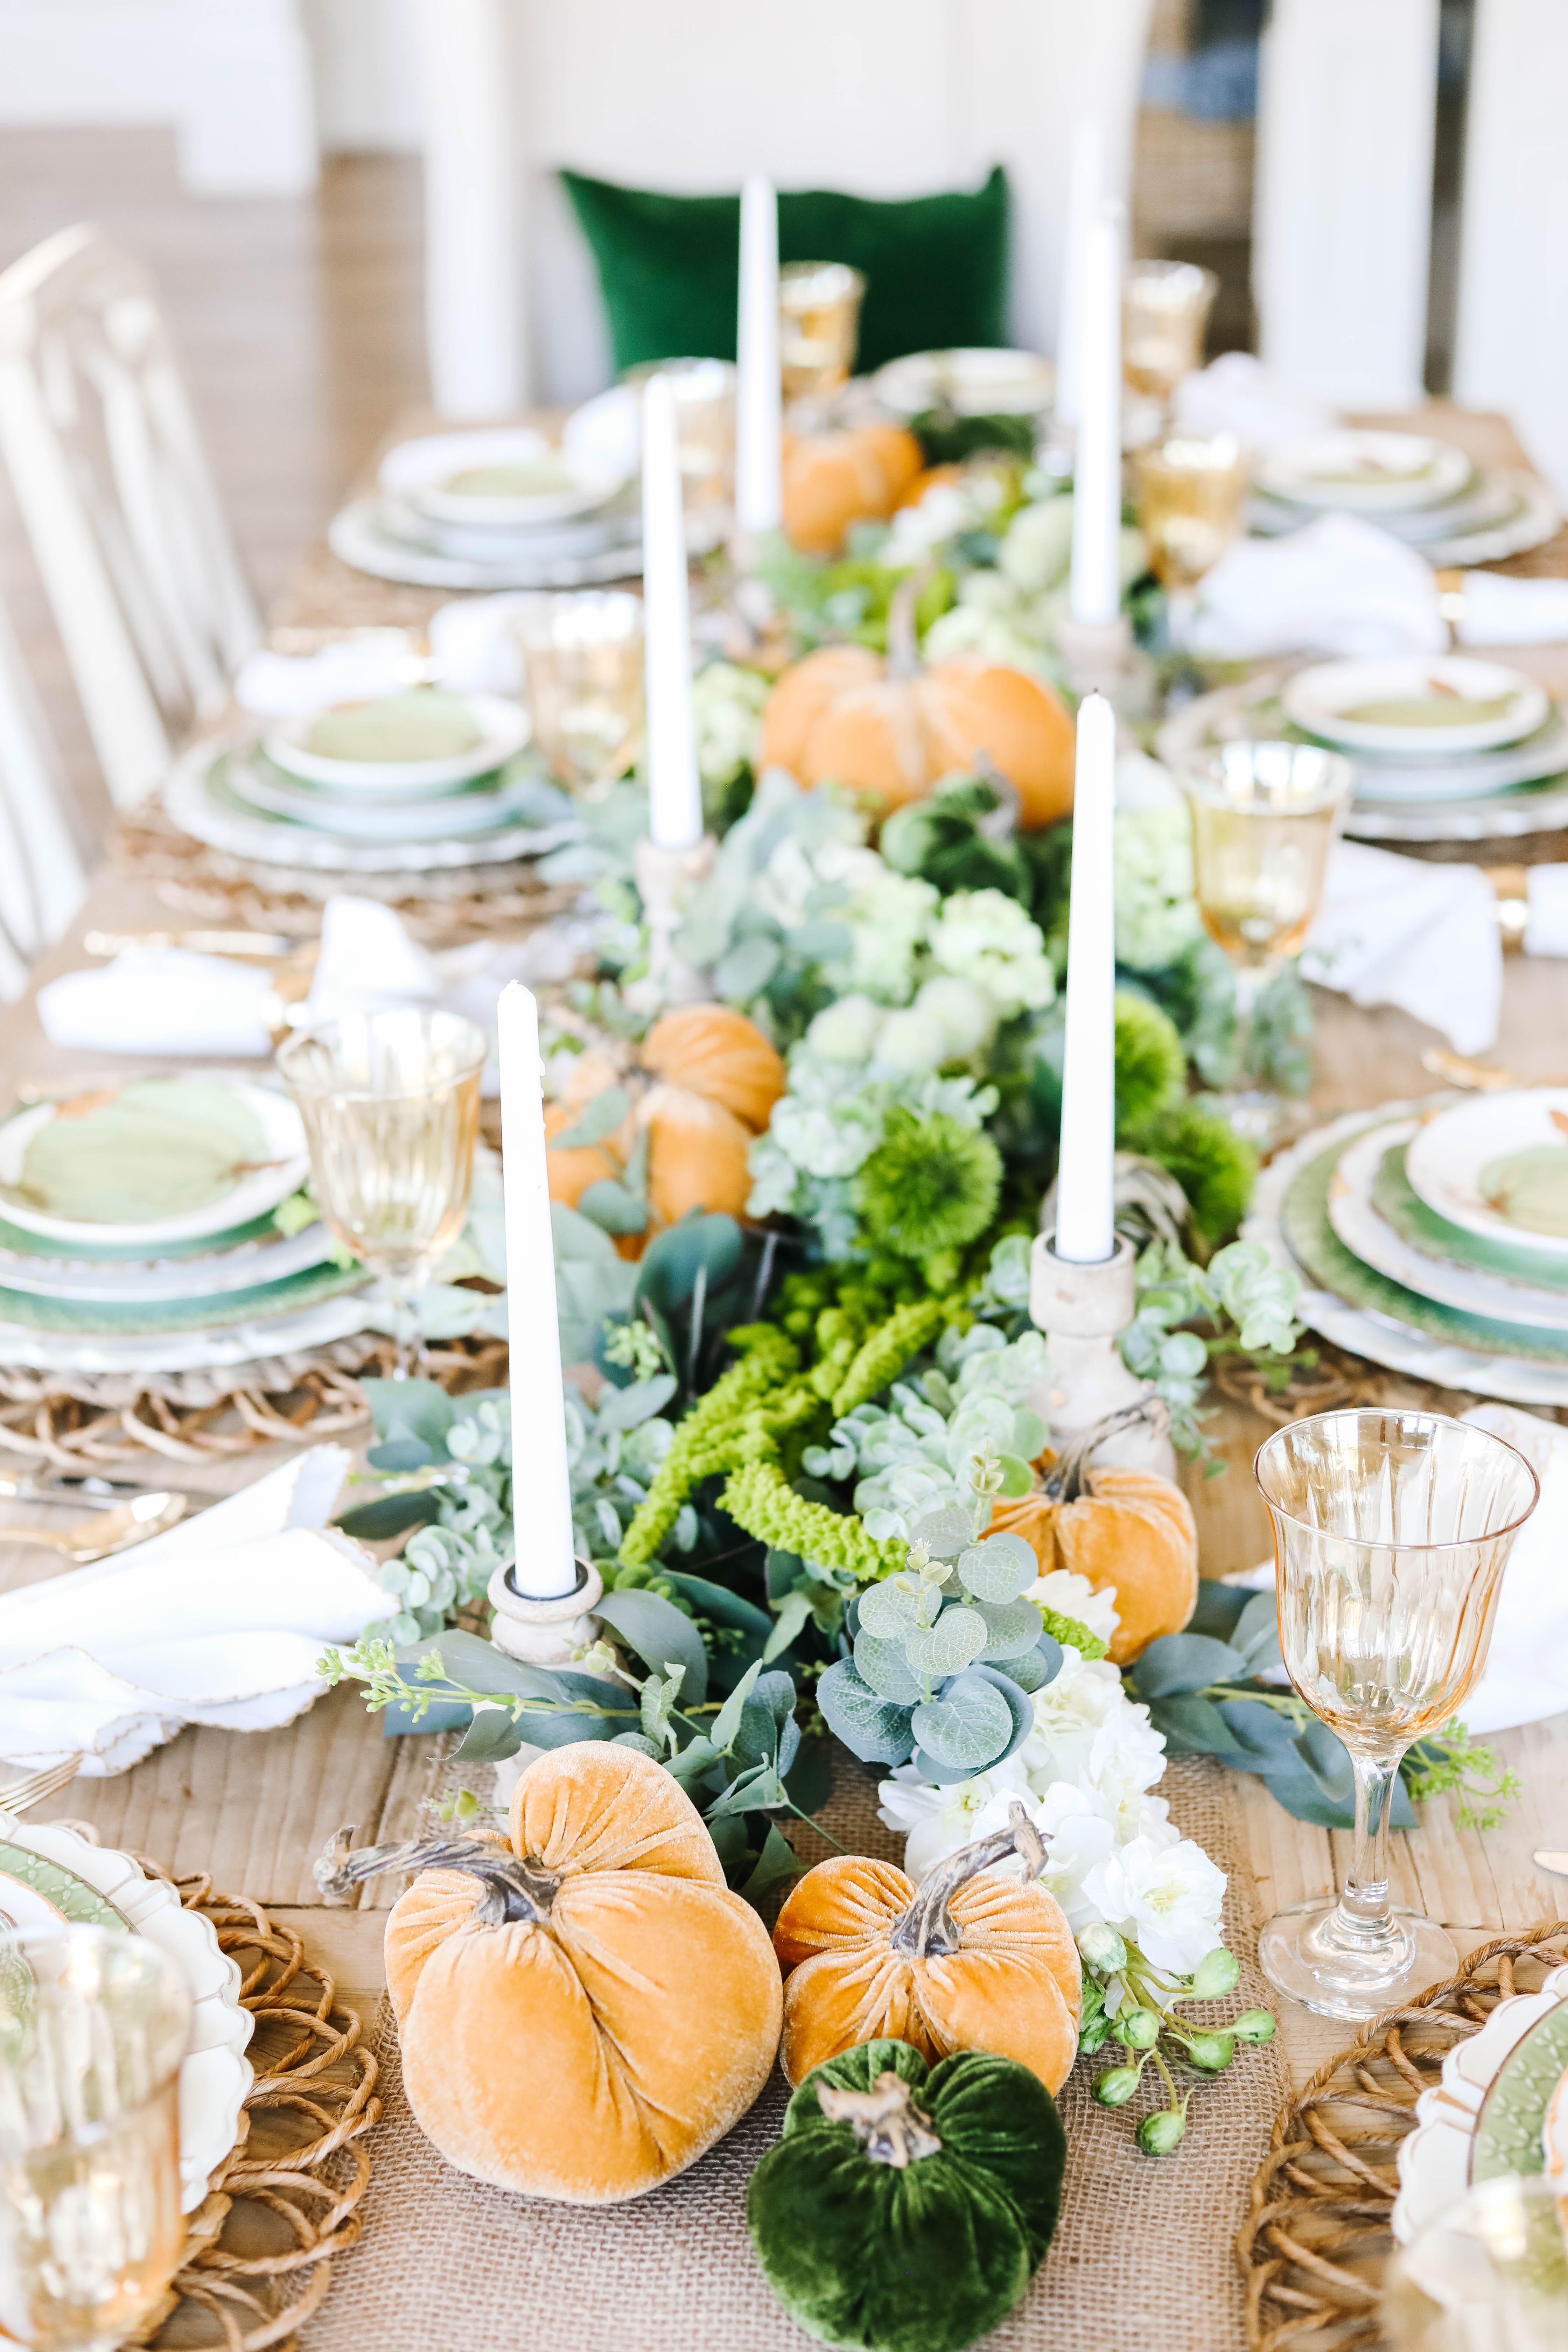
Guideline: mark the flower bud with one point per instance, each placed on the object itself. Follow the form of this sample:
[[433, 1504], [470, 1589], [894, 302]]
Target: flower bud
[[1116, 2086], [1211, 2050], [1253, 2025], [1159, 2133], [1101, 1949], [1216, 1974], [1139, 2027]]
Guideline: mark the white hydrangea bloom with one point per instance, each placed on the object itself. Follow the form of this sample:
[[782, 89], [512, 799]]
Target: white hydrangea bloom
[[726, 705], [824, 1142], [912, 1041], [1071, 1595], [774, 1178], [1087, 1731], [1156, 912], [847, 1030], [1037, 552], [987, 937], [964, 1012], [937, 1821], [889, 916], [1165, 1896]]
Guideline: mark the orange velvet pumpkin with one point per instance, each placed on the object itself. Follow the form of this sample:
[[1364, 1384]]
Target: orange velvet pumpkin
[[697, 1155], [834, 479], [1128, 1531], [718, 1053], [583, 2013], [893, 730], [965, 1961]]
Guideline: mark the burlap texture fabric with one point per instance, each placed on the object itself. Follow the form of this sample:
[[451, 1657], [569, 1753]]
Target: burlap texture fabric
[[1142, 2259]]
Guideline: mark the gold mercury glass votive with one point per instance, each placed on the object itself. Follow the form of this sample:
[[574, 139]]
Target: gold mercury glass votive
[[583, 670], [1166, 309], [820, 326], [704, 427], [1191, 493]]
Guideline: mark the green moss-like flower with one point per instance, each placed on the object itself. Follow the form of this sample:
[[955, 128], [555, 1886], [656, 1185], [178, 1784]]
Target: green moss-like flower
[[930, 1185], [882, 1356], [717, 1431], [1214, 1167], [1150, 1064], [760, 1498]]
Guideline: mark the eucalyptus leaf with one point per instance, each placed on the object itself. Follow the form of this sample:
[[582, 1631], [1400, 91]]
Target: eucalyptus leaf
[[871, 1728], [1038, 1666], [600, 1116], [1000, 1569], [490, 1736], [891, 1609], [883, 1665], [821, 942], [629, 1407], [641, 1742], [411, 1409], [609, 1204], [969, 1725], [794, 1614], [718, 1603], [662, 1635], [753, 1790], [945, 1533], [727, 1722], [1185, 1661], [955, 1640], [1194, 1727], [1219, 1609], [1012, 1627], [700, 1756], [1018, 1703], [1029, 1433], [745, 970], [1018, 1478], [1257, 1633]]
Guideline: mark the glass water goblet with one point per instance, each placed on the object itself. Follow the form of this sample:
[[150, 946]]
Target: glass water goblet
[[390, 1105], [820, 326], [583, 671], [1264, 818], [1191, 493], [93, 2025], [1490, 2275], [1166, 309], [1391, 1534]]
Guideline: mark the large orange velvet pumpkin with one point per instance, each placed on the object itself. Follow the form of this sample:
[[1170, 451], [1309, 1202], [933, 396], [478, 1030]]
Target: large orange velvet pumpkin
[[965, 1961], [833, 479], [697, 1155], [585, 2012], [718, 1053], [1127, 1530], [893, 730]]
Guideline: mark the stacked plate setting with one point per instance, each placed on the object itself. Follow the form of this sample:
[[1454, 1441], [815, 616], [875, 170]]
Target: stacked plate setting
[[1502, 2109], [497, 508], [418, 779], [1424, 491], [138, 1233], [1445, 747], [1435, 1239]]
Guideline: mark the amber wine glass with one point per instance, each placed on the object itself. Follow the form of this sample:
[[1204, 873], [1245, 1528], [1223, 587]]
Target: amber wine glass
[[1264, 818], [390, 1107], [820, 326], [1391, 1534], [1191, 492], [93, 2026], [1166, 309], [583, 668]]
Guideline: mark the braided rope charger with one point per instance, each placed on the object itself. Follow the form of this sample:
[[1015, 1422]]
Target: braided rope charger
[[1316, 2240], [259, 2251]]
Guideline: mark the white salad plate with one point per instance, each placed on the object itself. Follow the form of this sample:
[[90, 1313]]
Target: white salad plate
[[1455, 1149], [978, 380], [1367, 1237], [254, 1191], [216, 2075], [461, 476], [1365, 472], [1331, 700], [1363, 1331], [362, 536], [501, 730], [1439, 2160], [465, 811]]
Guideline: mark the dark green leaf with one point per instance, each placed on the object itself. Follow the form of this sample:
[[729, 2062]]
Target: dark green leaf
[[389, 1515], [783, 1570], [441, 1714], [1194, 1727], [746, 968], [1184, 1661], [717, 1603], [399, 1456], [1257, 1633], [810, 1780], [662, 1635], [1219, 1607], [794, 1615], [668, 1273], [777, 1865], [491, 1734], [727, 1722]]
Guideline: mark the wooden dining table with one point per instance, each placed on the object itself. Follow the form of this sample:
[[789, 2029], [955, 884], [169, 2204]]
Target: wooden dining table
[[254, 1810]]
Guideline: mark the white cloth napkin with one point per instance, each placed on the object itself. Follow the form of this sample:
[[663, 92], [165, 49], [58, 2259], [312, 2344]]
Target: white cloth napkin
[[1237, 393], [472, 651], [168, 1000], [1498, 611], [1399, 930], [221, 1621], [1338, 586]]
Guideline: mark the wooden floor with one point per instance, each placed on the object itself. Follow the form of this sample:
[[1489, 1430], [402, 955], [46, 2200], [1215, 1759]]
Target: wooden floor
[[299, 319]]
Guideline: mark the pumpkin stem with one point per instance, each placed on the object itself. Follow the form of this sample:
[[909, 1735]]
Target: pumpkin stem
[[927, 1929], [903, 638], [1067, 1476], [513, 1889], [885, 2120]]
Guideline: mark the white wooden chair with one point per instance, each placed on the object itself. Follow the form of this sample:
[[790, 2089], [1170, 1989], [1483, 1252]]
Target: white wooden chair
[[103, 446], [41, 877], [886, 98]]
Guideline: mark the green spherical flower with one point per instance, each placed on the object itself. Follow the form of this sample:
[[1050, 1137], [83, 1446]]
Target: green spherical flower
[[1212, 1165], [930, 1185], [1150, 1064]]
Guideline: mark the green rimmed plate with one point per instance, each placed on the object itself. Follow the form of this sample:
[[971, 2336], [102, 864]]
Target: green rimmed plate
[[213, 1313], [34, 1890], [1508, 2135], [17, 1242], [1368, 1237], [1399, 1205], [1308, 1232]]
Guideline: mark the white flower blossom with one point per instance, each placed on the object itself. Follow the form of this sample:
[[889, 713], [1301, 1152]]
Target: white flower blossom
[[1071, 1595], [846, 1030], [727, 718], [822, 1141], [963, 1011], [1164, 1897], [914, 1040], [987, 937], [1087, 1731], [1156, 912]]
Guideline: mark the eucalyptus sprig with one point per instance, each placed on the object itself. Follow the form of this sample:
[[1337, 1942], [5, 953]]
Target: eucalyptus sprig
[[1125, 1997]]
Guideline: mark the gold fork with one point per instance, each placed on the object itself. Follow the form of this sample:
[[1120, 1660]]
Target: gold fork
[[32, 1789]]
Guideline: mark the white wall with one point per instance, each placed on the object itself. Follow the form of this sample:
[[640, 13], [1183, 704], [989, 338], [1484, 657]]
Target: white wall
[[365, 56]]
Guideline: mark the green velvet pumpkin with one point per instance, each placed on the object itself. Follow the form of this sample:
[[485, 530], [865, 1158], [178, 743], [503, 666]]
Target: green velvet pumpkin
[[905, 2210]]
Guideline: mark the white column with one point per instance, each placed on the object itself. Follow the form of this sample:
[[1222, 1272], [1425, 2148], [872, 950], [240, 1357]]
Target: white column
[[246, 109], [1512, 343], [474, 297], [1342, 215]]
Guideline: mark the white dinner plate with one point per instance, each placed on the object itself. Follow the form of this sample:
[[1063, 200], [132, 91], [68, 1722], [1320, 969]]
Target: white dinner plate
[[1365, 473], [358, 536], [498, 729], [463, 478], [1436, 2161], [260, 786], [263, 1341], [95, 1280], [279, 1168], [1367, 1237], [1554, 2133], [975, 382], [1452, 1163], [1463, 705]]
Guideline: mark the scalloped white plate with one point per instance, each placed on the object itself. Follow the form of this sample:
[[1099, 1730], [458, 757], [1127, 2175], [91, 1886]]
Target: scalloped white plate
[[1555, 2133], [216, 2075], [1435, 2158]]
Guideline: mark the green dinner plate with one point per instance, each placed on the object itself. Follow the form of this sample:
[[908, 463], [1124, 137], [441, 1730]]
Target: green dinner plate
[[1304, 1219], [84, 1317], [25, 1245], [1507, 2131], [1400, 1205]]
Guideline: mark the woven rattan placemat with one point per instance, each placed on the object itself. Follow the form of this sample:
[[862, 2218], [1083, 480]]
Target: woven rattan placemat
[[1316, 2240]]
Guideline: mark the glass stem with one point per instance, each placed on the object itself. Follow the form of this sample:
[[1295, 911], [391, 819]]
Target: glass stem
[[1251, 980], [407, 1336], [1364, 1913]]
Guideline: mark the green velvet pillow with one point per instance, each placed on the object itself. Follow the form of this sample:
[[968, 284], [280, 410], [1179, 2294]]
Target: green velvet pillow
[[935, 267]]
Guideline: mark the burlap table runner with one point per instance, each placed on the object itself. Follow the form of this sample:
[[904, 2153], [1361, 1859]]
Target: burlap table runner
[[1142, 2259]]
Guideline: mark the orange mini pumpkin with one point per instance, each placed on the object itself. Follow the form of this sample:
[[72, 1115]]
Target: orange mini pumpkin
[[833, 479], [718, 1053], [697, 1155], [893, 730], [965, 1961], [586, 2009], [1128, 1531]]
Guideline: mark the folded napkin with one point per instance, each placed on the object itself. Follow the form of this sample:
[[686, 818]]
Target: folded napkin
[[472, 651], [1237, 393], [1338, 586], [1398, 931], [1496, 611], [221, 1621]]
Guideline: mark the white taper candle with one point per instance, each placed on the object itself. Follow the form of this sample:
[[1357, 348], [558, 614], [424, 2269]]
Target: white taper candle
[[758, 398], [546, 1567], [675, 790], [1085, 1177], [1097, 468], [1085, 190]]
